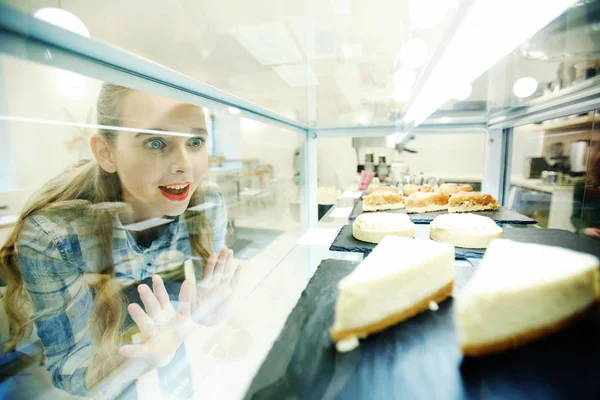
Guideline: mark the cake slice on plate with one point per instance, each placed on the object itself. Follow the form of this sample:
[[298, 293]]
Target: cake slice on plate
[[426, 202], [521, 292], [396, 281], [382, 188], [381, 201], [453, 188], [373, 227], [472, 201], [464, 230]]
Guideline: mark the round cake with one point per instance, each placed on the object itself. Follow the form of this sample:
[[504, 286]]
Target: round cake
[[464, 230], [372, 227]]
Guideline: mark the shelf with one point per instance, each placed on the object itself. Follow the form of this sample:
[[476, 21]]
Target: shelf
[[577, 123]]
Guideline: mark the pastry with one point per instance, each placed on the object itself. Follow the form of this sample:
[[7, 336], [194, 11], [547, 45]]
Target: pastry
[[426, 202], [453, 188], [372, 227], [464, 230], [409, 189], [381, 188], [521, 292], [396, 281], [381, 201], [471, 201]]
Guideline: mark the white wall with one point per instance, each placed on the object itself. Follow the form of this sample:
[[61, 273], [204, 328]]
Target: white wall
[[526, 143], [39, 151], [450, 156], [238, 138]]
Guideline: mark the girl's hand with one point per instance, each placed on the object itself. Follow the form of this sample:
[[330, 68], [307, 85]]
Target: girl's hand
[[162, 328], [212, 297]]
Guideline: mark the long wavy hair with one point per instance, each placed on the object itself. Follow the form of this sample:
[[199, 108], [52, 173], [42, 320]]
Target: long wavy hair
[[87, 191]]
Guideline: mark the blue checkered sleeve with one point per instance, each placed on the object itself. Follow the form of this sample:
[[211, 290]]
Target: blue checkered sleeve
[[61, 304]]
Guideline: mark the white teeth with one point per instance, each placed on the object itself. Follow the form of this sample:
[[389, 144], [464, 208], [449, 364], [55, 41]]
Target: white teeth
[[177, 187]]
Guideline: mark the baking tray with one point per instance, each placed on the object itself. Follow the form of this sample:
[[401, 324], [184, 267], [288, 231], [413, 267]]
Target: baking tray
[[344, 241], [419, 358], [501, 215]]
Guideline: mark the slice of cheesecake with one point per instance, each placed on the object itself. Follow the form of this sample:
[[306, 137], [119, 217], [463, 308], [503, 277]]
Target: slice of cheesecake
[[396, 281], [373, 227], [464, 230], [521, 292]]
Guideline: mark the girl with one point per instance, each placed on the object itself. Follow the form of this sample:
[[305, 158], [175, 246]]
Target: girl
[[77, 255]]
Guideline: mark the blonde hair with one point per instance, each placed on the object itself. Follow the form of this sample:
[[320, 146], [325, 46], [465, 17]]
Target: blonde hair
[[89, 192]]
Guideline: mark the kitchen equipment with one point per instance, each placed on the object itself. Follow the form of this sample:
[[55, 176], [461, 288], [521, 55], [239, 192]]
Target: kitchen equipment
[[383, 170], [579, 156], [552, 178], [369, 162], [534, 167]]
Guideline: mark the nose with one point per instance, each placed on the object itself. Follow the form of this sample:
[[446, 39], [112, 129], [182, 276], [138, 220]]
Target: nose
[[180, 160]]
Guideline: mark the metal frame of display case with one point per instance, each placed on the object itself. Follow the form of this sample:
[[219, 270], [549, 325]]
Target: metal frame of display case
[[28, 38]]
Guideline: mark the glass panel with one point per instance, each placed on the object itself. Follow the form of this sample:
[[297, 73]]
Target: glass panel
[[565, 54], [555, 173], [103, 189], [340, 161], [327, 61]]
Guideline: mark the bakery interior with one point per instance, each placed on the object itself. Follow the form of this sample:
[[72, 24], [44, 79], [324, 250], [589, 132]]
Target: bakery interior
[[308, 104]]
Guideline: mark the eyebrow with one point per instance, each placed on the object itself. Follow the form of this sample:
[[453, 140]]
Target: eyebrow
[[158, 131]]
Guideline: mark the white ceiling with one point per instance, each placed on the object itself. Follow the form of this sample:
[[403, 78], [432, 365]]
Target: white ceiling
[[326, 60]]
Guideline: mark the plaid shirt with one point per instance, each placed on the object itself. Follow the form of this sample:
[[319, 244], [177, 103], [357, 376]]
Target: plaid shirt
[[57, 261]]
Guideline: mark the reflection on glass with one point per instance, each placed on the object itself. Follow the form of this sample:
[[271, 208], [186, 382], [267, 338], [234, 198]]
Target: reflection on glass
[[118, 230], [563, 55], [554, 173], [115, 232]]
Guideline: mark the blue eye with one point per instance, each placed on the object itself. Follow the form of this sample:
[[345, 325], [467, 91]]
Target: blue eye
[[155, 144], [196, 142]]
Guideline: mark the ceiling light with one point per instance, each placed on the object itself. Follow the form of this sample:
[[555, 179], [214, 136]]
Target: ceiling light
[[363, 119], [428, 13], [462, 92], [63, 19], [413, 53], [234, 110], [404, 78], [525, 87], [479, 41], [401, 95]]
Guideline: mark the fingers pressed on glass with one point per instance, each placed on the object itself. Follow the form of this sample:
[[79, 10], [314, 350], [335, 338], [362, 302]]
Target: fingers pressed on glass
[[221, 264], [185, 297], [151, 304], [160, 292], [145, 324], [209, 267]]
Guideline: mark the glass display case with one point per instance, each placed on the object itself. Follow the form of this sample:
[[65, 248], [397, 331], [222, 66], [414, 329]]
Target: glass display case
[[173, 177]]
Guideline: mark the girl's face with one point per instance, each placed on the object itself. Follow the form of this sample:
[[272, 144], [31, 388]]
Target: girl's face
[[159, 173]]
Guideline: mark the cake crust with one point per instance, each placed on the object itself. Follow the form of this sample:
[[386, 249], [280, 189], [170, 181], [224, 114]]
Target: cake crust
[[472, 201], [499, 346], [364, 331], [380, 201], [426, 202]]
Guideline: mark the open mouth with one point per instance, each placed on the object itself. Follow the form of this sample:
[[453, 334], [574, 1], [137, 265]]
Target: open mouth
[[176, 191]]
